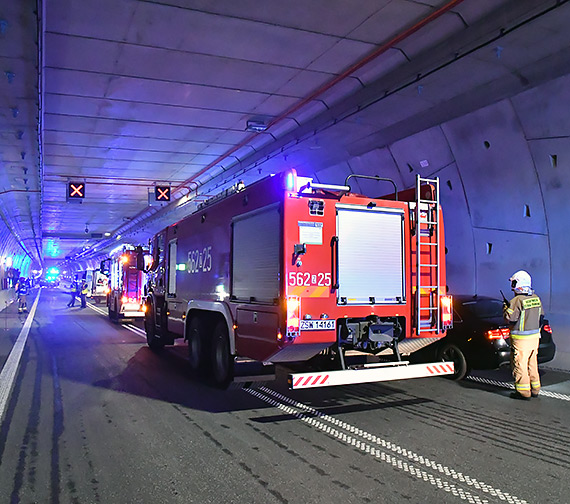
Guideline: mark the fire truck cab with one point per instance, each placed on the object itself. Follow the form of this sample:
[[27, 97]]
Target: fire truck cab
[[126, 280], [288, 268]]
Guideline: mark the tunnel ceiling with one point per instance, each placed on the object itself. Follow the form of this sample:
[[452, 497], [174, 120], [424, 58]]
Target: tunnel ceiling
[[121, 96]]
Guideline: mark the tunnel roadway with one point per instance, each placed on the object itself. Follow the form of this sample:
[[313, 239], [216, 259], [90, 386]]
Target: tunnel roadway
[[94, 416]]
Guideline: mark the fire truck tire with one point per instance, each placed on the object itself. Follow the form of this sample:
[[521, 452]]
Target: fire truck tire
[[222, 361], [196, 344], [114, 314], [450, 352], [152, 341]]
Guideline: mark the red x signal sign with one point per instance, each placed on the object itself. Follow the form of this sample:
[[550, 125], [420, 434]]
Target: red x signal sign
[[162, 193], [75, 190]]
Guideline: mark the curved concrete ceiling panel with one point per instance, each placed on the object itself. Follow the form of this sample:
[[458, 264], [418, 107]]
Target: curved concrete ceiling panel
[[461, 259], [543, 113], [377, 162], [426, 152], [493, 156]]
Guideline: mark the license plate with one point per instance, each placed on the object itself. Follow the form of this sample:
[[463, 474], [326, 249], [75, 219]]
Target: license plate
[[318, 325]]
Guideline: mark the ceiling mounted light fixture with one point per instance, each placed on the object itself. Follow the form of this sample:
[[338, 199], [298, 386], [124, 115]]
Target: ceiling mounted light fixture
[[256, 125]]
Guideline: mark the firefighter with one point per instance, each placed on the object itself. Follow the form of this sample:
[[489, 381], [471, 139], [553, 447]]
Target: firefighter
[[83, 293], [22, 288], [525, 312]]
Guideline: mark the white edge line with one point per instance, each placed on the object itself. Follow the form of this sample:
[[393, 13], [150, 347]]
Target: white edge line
[[496, 383], [12, 364]]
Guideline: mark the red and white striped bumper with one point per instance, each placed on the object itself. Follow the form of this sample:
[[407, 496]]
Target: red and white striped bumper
[[369, 373]]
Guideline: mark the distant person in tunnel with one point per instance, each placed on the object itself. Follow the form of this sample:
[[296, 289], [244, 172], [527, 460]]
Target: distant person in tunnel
[[524, 311], [73, 291], [83, 294], [22, 288]]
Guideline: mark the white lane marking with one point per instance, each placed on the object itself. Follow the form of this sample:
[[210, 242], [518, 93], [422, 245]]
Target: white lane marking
[[318, 419], [130, 327], [496, 383], [136, 330], [10, 369], [97, 309]]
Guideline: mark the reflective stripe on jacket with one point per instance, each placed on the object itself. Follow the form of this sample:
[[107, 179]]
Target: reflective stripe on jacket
[[525, 311]]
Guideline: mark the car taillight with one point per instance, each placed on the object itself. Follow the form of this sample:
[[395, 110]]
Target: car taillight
[[446, 312], [547, 328], [293, 315], [501, 333]]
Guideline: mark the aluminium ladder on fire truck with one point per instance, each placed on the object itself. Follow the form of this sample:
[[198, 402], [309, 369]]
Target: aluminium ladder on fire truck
[[427, 226]]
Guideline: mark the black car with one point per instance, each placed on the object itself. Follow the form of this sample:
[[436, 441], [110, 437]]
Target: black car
[[480, 337]]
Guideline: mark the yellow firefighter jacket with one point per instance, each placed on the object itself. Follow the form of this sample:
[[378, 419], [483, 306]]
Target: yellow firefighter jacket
[[525, 311]]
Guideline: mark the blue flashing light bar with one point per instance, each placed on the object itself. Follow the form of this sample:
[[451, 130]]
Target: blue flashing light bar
[[291, 180]]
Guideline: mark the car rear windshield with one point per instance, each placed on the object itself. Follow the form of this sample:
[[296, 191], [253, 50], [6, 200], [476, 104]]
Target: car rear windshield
[[484, 308]]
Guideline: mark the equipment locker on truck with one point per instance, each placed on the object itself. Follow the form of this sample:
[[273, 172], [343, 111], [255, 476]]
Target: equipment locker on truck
[[287, 268]]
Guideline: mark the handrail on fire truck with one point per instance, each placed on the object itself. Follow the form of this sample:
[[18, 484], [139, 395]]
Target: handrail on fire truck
[[428, 227], [374, 177]]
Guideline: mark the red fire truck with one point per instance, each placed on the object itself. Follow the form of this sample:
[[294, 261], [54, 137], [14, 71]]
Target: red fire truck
[[126, 282], [287, 269]]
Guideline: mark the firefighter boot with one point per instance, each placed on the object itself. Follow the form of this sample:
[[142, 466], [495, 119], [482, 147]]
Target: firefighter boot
[[518, 395]]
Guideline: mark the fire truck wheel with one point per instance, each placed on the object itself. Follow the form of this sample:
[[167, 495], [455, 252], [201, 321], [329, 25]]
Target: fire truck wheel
[[114, 314], [196, 344], [152, 341], [450, 352], [221, 358]]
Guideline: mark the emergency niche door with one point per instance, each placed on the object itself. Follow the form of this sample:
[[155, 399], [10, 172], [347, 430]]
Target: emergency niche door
[[370, 255]]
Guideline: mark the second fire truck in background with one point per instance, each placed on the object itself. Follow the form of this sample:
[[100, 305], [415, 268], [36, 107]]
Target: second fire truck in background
[[125, 283]]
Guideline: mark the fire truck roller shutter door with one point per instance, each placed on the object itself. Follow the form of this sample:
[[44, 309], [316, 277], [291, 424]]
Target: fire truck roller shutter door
[[256, 253], [370, 255]]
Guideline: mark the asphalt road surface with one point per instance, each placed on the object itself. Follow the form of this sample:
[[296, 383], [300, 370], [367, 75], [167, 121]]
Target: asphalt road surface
[[94, 416]]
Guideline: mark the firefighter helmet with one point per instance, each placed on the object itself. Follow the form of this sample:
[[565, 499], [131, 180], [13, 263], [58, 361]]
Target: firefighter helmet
[[521, 282]]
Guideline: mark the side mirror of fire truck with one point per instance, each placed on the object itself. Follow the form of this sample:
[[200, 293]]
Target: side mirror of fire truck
[[140, 258], [104, 266]]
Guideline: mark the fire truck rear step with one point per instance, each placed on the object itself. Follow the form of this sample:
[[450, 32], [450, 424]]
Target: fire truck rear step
[[369, 373]]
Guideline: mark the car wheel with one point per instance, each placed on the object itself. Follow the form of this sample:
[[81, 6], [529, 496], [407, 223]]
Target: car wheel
[[453, 353], [196, 344], [153, 342], [221, 357]]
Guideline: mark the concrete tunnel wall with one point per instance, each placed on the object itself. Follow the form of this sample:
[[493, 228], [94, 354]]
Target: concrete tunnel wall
[[504, 175]]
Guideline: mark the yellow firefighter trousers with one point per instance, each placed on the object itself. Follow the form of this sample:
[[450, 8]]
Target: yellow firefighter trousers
[[524, 363]]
